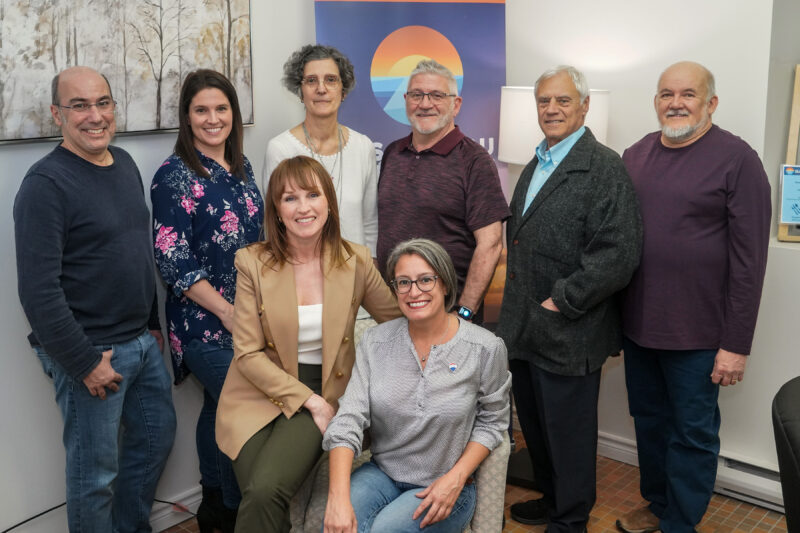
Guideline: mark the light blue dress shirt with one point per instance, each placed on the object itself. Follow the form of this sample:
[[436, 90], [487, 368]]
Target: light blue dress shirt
[[548, 162]]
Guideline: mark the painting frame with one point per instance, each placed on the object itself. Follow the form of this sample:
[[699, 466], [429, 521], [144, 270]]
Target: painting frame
[[145, 48]]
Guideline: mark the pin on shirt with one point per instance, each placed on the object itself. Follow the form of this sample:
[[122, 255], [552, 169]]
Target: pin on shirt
[[453, 367]]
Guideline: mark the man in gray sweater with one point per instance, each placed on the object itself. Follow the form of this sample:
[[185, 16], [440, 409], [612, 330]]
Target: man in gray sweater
[[87, 284], [574, 239]]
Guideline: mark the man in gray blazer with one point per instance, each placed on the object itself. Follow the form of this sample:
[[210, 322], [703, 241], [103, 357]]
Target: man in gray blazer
[[574, 239]]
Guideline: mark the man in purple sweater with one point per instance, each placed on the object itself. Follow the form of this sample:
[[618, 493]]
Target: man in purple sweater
[[690, 309]]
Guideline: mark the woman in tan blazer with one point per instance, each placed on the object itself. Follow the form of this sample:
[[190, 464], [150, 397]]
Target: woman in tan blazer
[[297, 296]]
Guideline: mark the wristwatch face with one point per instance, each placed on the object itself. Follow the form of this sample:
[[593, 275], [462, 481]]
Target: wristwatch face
[[465, 313]]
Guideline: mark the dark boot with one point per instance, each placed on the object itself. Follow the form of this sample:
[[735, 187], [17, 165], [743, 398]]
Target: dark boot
[[209, 513], [228, 522]]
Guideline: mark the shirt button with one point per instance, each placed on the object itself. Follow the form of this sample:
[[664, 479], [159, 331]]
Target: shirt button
[[417, 157], [270, 345], [511, 275]]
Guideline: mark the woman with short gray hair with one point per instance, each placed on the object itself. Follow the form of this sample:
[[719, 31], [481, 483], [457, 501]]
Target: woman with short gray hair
[[321, 76], [433, 389]]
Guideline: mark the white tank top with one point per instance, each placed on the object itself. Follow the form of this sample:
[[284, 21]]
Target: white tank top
[[309, 334]]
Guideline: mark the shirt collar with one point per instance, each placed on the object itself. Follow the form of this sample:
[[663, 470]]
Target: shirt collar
[[557, 153], [445, 144]]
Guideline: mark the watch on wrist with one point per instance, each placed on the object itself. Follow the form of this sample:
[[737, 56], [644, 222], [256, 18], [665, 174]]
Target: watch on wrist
[[465, 312]]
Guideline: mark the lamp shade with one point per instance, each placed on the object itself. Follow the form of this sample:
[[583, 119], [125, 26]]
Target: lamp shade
[[519, 125], [519, 122], [597, 117]]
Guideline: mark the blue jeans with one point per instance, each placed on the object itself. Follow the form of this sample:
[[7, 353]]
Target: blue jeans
[[674, 407], [383, 505], [117, 447], [210, 364]]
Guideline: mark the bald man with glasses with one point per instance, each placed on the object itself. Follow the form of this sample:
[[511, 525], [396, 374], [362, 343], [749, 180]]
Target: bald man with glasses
[[87, 285]]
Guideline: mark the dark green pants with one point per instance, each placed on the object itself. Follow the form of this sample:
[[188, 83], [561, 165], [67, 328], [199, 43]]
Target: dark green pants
[[274, 463]]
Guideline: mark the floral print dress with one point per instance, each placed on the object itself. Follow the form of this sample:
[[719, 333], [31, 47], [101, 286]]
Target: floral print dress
[[198, 225]]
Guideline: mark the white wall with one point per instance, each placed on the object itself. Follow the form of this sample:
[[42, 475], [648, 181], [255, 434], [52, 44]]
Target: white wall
[[621, 45], [31, 453]]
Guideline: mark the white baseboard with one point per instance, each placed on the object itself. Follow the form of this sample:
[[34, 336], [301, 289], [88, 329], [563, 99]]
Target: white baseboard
[[617, 448], [164, 516], [735, 479]]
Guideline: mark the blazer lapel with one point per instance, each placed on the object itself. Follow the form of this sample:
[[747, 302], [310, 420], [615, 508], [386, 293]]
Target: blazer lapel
[[578, 158], [280, 307], [337, 293]]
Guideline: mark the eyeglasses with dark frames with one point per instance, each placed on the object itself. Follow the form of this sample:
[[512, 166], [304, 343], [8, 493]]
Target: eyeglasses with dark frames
[[403, 285]]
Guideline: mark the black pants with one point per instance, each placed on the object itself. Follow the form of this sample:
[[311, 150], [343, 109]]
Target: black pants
[[558, 416]]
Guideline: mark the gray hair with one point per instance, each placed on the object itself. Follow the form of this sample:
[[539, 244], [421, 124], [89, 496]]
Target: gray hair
[[54, 88], [711, 84], [296, 64], [431, 66], [433, 254], [578, 79]]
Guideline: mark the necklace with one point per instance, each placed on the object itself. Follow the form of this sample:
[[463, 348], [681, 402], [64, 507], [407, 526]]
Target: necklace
[[337, 160], [446, 329]]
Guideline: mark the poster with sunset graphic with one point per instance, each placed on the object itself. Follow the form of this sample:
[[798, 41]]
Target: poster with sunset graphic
[[385, 40]]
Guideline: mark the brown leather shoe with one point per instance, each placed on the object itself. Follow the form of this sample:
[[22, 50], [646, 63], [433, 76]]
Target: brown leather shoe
[[640, 520]]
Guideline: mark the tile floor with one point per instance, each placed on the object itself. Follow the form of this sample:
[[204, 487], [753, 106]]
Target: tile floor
[[617, 493]]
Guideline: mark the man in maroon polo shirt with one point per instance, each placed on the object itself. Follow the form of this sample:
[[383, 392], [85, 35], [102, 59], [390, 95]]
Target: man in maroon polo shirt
[[441, 185]]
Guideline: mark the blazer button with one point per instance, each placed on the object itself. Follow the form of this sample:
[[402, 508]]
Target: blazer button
[[514, 242], [511, 275], [345, 340], [261, 309], [270, 345], [339, 374]]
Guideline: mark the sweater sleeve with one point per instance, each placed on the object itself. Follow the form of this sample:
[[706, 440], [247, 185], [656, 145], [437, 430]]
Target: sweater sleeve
[[40, 228], [369, 202], [749, 219]]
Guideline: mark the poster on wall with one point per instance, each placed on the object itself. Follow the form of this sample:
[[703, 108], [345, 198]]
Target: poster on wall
[[144, 47], [386, 39]]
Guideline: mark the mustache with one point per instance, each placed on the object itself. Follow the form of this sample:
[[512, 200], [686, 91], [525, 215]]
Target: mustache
[[677, 113]]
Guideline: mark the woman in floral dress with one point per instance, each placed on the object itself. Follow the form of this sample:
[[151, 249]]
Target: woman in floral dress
[[206, 206]]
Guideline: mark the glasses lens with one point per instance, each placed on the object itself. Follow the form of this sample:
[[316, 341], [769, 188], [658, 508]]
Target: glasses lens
[[416, 96], [331, 81], [402, 285], [311, 80], [426, 283]]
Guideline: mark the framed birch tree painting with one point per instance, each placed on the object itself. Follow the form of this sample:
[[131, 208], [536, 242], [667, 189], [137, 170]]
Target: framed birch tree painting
[[144, 47]]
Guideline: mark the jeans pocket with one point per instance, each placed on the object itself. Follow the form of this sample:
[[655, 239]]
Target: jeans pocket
[[104, 348], [45, 360]]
